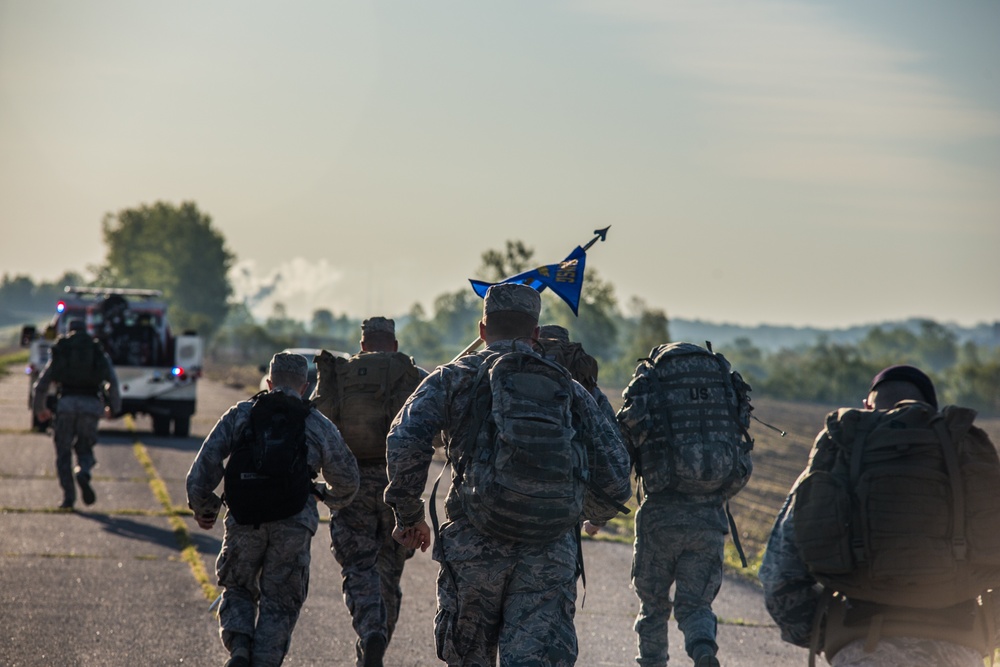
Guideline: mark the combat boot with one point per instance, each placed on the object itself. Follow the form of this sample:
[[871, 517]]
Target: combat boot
[[371, 651], [704, 655], [86, 490], [240, 657]]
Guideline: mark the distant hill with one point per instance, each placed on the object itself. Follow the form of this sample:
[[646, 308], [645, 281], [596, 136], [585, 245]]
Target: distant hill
[[771, 338]]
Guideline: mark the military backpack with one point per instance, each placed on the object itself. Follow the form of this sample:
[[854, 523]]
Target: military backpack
[[78, 364], [363, 394], [688, 414], [267, 476], [524, 468], [901, 506], [573, 358]]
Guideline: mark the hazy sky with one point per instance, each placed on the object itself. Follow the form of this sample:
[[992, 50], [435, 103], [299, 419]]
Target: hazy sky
[[806, 162]]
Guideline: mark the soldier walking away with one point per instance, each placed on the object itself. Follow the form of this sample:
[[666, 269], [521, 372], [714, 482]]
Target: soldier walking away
[[685, 422], [362, 395], [530, 457], [886, 551], [276, 444], [87, 389]]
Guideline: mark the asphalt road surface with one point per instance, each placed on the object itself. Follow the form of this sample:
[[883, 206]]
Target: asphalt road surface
[[129, 580]]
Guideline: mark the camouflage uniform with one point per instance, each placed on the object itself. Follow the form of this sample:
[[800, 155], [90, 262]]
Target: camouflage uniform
[[264, 572], [361, 539], [76, 422], [495, 594], [371, 560]]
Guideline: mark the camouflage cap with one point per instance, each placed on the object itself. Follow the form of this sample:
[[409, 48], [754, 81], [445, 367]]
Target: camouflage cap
[[554, 331], [378, 325], [289, 364], [512, 297]]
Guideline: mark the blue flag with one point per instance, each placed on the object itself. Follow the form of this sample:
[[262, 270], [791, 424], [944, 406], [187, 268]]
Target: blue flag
[[564, 278]]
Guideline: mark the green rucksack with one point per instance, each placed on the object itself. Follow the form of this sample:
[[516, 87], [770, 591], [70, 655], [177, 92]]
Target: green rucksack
[[901, 506], [523, 471], [573, 358], [77, 364], [688, 413], [362, 395]]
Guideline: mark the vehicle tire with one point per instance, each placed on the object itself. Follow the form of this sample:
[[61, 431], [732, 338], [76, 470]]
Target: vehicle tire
[[161, 424], [182, 426]]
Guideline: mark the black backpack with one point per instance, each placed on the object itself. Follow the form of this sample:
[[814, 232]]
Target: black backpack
[[901, 506], [77, 364], [268, 476]]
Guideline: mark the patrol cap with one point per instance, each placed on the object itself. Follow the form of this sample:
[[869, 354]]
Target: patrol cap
[[554, 331], [77, 325], [910, 374], [512, 297], [378, 325], [289, 364]]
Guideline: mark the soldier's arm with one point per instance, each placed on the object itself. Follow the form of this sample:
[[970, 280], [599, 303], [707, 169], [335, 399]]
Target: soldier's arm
[[791, 594], [409, 448], [40, 391], [609, 465], [114, 393], [337, 464], [207, 470]]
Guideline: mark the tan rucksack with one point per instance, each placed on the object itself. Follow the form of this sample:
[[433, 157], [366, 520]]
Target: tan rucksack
[[362, 395]]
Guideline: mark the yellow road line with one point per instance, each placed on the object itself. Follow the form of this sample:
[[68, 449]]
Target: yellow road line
[[189, 553]]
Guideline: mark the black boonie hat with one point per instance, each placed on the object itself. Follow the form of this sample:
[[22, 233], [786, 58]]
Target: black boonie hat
[[910, 374]]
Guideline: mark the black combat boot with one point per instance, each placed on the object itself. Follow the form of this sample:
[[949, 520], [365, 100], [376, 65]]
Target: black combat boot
[[372, 650], [704, 655], [86, 490]]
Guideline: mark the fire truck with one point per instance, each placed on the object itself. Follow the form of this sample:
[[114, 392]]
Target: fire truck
[[158, 371]]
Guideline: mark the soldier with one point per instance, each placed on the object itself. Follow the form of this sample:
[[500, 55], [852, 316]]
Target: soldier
[[362, 395], [496, 592], [684, 422], [88, 389], [938, 610], [263, 567]]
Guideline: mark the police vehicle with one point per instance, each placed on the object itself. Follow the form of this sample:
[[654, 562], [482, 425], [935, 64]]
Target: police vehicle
[[158, 371]]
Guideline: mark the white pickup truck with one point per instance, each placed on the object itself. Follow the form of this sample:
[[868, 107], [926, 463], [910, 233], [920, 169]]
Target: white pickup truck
[[157, 370]]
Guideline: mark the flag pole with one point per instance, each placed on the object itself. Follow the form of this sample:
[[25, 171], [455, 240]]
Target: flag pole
[[599, 235]]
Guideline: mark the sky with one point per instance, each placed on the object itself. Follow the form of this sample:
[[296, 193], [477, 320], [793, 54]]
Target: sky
[[791, 162]]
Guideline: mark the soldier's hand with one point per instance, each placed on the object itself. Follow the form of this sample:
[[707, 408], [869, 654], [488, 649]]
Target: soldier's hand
[[44, 415], [205, 521], [107, 413], [590, 528], [414, 537]]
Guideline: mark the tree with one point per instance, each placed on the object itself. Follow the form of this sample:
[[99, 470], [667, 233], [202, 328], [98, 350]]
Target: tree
[[174, 249]]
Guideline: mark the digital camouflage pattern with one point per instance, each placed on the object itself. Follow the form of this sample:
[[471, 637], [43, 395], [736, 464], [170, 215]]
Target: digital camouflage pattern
[[475, 559], [280, 587], [677, 542], [688, 413], [278, 552], [371, 560]]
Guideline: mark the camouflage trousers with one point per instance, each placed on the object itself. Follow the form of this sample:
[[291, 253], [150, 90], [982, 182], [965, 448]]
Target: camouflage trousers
[[906, 651], [673, 547], [74, 431], [264, 573], [520, 602], [371, 561]]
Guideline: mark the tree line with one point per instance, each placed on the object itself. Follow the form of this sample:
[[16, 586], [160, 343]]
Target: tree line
[[177, 250]]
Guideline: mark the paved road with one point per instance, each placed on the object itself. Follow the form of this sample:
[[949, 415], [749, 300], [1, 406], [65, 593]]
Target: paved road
[[118, 583]]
